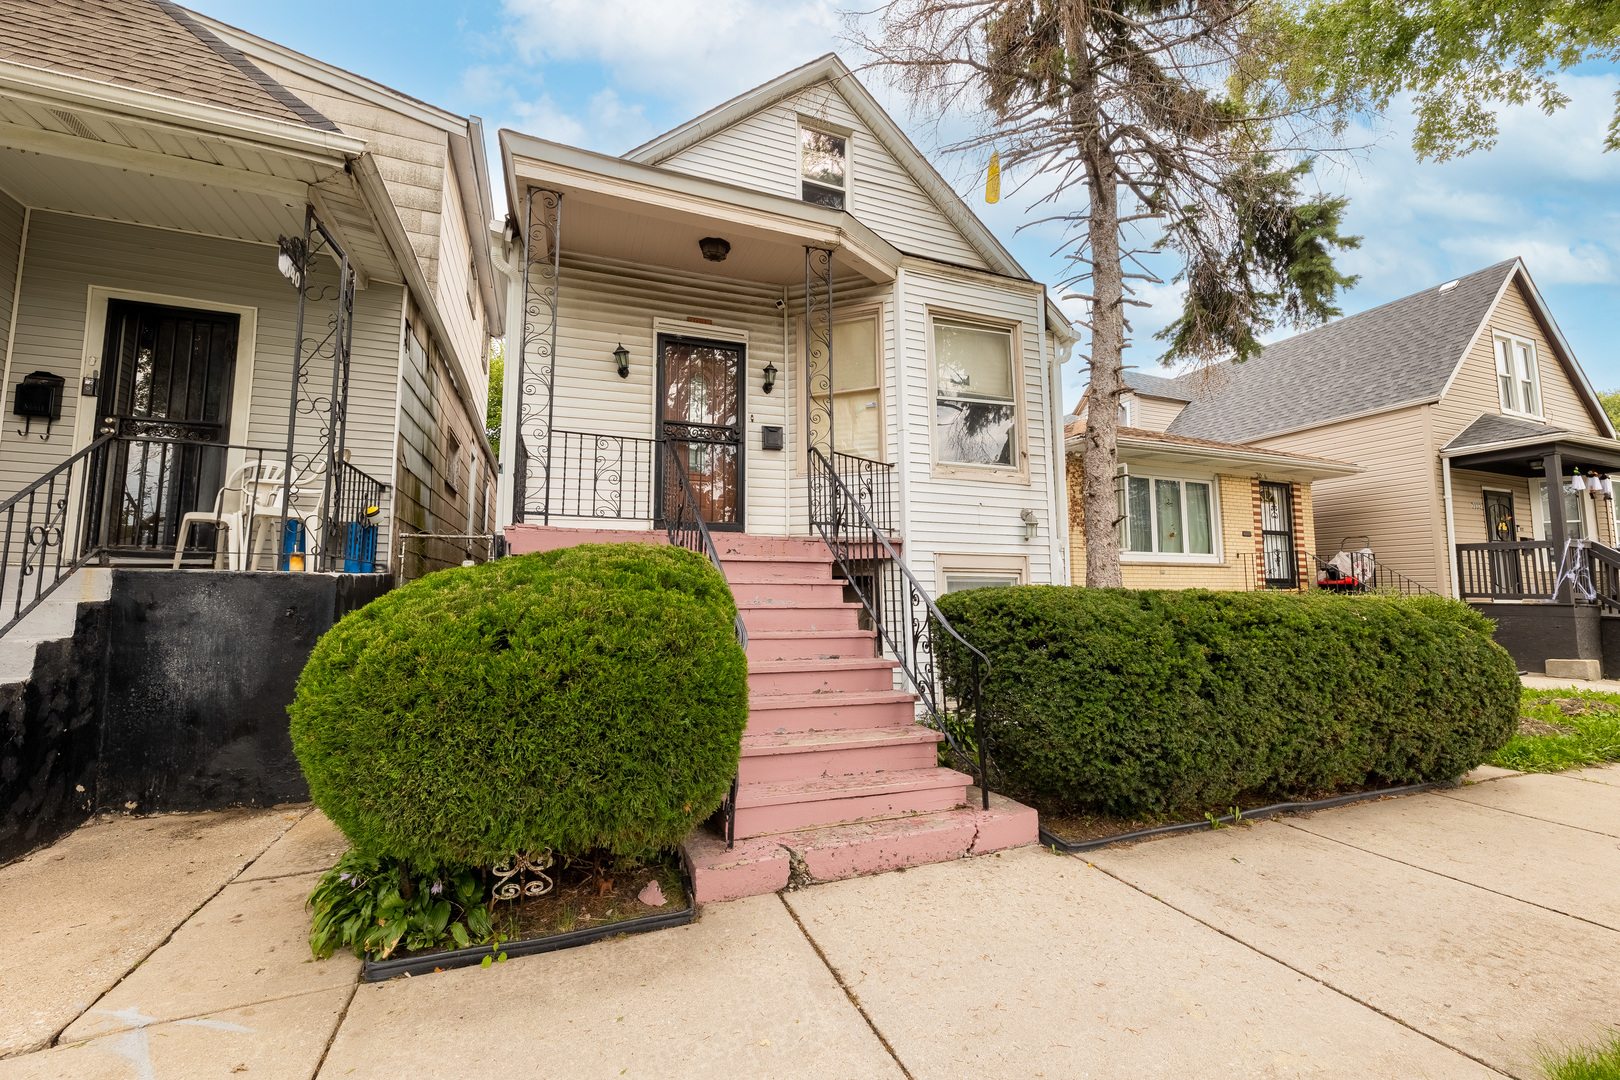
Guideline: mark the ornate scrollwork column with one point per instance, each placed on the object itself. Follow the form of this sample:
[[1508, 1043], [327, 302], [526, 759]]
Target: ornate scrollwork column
[[818, 315], [537, 352]]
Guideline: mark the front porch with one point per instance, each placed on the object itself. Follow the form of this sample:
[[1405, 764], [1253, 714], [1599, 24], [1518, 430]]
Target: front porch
[[1533, 520]]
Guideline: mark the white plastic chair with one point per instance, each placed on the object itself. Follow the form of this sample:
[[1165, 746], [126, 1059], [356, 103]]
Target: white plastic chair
[[249, 500]]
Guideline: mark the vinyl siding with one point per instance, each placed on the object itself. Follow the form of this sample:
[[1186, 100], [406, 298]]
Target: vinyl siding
[[604, 303], [67, 255], [1395, 502], [412, 156], [1156, 414], [961, 516], [458, 301], [1473, 390], [762, 153]]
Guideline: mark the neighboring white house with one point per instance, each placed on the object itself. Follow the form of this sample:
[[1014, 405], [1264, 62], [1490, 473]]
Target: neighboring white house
[[695, 253]]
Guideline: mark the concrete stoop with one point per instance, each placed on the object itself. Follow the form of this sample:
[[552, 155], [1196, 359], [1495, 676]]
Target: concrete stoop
[[765, 864]]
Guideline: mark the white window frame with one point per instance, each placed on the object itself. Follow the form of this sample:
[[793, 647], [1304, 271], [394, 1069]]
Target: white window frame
[[1171, 557], [1127, 410], [807, 124], [1517, 379], [1539, 525], [1018, 471], [946, 564]]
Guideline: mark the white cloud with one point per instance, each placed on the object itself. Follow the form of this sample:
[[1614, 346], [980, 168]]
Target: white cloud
[[692, 52]]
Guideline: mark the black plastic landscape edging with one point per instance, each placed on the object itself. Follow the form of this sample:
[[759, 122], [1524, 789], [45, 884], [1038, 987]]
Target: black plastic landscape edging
[[379, 970], [1074, 847]]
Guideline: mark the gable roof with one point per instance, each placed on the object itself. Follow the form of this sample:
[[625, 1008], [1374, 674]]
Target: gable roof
[[1400, 353], [830, 68], [150, 45], [1154, 386], [1163, 444]]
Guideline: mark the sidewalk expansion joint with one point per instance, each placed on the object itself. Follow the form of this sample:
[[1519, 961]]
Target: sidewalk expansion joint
[[343, 1015], [1301, 972], [1532, 817], [844, 986], [1458, 880], [57, 1034]]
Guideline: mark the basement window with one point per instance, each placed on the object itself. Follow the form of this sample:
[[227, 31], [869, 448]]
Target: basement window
[[823, 167]]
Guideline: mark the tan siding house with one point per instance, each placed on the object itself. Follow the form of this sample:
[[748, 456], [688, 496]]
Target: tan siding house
[[1486, 455]]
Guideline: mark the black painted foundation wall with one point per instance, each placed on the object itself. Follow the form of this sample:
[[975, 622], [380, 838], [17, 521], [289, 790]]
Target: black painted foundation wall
[[172, 695], [1536, 633]]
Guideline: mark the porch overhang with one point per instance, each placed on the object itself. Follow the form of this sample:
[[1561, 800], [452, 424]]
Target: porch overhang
[[1527, 457], [1159, 450], [619, 209]]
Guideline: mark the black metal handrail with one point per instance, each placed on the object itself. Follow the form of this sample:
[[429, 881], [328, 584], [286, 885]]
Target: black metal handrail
[[593, 475], [1367, 574], [1604, 563], [899, 608], [1518, 570], [872, 482], [684, 524], [40, 530]]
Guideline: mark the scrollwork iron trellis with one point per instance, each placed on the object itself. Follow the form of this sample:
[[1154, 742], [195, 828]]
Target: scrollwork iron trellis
[[537, 352], [818, 382]]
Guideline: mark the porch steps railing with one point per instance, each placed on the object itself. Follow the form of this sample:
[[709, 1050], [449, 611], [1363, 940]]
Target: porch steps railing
[[1367, 575], [42, 523]]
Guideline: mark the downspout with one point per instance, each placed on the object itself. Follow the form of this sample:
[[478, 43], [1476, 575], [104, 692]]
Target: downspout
[[1451, 528], [1054, 555]]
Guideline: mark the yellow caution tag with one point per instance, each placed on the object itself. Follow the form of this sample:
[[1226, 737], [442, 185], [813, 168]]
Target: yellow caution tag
[[992, 183]]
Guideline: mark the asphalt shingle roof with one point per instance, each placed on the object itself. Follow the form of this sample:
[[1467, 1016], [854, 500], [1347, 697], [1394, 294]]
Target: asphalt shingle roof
[[1399, 352], [1493, 428], [151, 45], [1154, 385]]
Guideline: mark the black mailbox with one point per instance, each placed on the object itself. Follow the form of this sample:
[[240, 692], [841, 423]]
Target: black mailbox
[[39, 397], [770, 438]]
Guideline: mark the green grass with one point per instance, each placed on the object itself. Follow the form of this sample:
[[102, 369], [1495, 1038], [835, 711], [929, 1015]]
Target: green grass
[[1593, 737], [1601, 1062]]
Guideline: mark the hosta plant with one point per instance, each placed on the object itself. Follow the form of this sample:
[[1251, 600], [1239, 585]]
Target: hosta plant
[[361, 904]]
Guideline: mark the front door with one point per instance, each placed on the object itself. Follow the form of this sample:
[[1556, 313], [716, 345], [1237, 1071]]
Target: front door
[[167, 394], [1277, 535], [700, 400], [1500, 528]]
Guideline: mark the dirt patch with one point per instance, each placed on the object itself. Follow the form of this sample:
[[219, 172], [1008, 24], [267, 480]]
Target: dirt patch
[[1573, 706], [584, 896], [1529, 725]]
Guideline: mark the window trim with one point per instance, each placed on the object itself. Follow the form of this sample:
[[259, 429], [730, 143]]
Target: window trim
[[948, 563], [1127, 410], [1514, 340], [1016, 473], [1186, 558], [878, 312], [812, 124]]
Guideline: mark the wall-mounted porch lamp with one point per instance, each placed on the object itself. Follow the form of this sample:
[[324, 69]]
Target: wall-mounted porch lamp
[[770, 377], [1030, 523], [621, 357], [292, 259]]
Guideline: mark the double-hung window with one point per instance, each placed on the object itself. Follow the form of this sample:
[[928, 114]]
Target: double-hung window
[[823, 168], [1518, 380], [975, 403], [1165, 516]]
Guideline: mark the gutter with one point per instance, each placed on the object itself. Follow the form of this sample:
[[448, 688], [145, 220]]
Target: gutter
[[1327, 469], [475, 199]]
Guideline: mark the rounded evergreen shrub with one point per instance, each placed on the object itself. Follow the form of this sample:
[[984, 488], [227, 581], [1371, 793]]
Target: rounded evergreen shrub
[[587, 698], [1156, 702]]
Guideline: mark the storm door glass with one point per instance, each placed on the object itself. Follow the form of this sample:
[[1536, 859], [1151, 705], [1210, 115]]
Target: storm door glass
[[167, 394], [700, 416]]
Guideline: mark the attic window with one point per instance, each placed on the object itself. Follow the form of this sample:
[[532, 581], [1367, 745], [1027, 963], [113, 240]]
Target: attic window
[[823, 167], [1518, 377]]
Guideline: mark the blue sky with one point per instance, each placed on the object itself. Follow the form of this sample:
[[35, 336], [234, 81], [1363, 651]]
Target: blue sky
[[609, 75]]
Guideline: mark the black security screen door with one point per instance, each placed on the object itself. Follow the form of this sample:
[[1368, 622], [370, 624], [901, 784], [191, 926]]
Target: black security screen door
[[1500, 528], [168, 373], [1277, 535], [700, 396]]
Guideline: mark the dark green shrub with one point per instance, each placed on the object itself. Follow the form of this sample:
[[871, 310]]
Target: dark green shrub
[[587, 698], [1157, 702]]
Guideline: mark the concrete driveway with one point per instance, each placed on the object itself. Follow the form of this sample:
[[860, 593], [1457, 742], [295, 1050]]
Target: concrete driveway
[[1440, 935]]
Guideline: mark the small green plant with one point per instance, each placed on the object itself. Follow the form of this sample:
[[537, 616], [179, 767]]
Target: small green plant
[[1563, 729], [1599, 1062], [362, 904]]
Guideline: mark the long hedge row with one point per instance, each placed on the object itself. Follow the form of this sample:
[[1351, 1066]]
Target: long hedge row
[[1148, 702]]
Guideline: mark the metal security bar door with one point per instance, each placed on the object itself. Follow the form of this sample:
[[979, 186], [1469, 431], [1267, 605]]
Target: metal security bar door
[[170, 373], [1500, 528], [1277, 535], [700, 398]]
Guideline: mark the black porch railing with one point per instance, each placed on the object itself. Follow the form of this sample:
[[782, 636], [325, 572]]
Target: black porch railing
[[1521, 570], [871, 483], [173, 502], [901, 611], [1364, 574]]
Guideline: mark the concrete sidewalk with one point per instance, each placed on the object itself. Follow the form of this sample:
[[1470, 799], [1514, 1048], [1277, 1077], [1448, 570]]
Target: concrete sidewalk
[[1440, 935]]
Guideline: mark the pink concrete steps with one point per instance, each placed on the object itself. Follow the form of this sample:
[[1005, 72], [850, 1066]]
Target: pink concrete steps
[[788, 805], [768, 568], [820, 675], [810, 644], [808, 856], [774, 758], [817, 712], [771, 615]]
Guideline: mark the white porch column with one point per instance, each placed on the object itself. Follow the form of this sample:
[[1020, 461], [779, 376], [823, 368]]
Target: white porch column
[[1451, 529]]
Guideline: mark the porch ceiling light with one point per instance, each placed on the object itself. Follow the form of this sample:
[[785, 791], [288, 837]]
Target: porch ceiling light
[[621, 357], [714, 249], [770, 377]]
